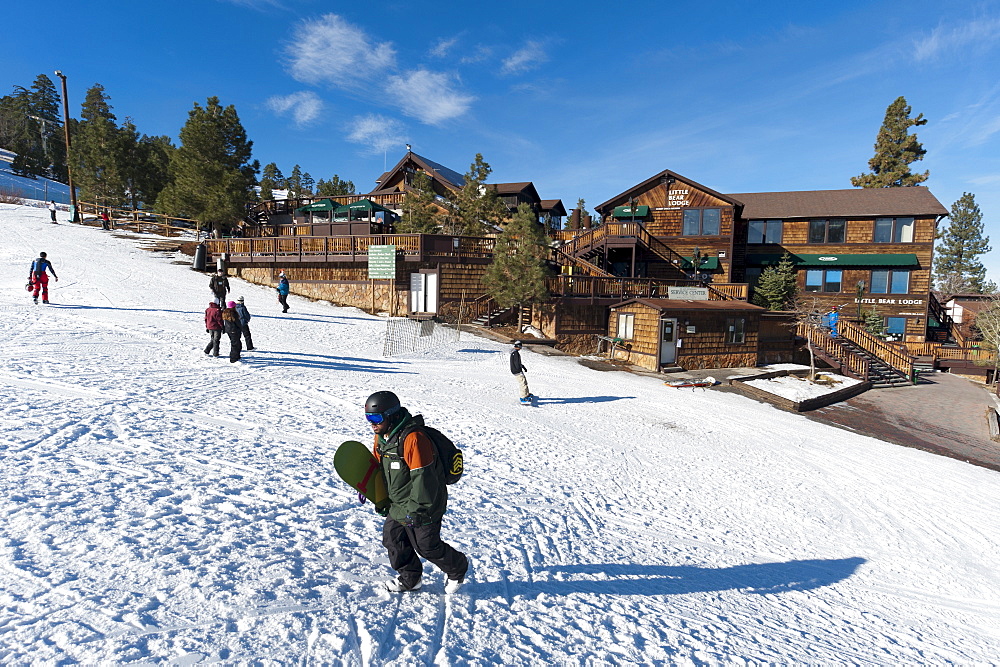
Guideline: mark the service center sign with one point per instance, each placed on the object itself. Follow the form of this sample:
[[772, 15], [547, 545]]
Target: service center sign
[[381, 262], [687, 293]]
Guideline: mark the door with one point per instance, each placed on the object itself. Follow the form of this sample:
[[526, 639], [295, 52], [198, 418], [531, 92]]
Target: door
[[668, 341]]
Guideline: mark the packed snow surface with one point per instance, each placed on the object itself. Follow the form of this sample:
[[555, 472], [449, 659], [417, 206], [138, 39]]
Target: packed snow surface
[[162, 506]]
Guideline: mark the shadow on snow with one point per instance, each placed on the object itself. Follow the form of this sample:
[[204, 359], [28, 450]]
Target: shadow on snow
[[628, 579]]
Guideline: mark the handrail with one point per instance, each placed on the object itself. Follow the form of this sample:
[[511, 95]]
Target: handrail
[[331, 248], [588, 268], [876, 347], [854, 363], [135, 221]]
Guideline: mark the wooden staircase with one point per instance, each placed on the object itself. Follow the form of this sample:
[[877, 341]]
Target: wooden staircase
[[857, 353]]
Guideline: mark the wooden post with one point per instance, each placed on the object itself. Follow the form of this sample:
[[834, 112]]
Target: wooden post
[[373, 296], [461, 309]]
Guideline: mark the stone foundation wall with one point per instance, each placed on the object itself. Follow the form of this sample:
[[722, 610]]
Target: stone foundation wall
[[388, 297]]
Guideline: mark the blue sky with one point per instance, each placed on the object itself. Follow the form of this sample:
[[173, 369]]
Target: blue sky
[[584, 99]]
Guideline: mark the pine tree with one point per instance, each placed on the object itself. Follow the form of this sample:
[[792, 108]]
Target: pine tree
[[873, 322], [334, 187], [211, 173], [45, 104], [98, 153], [295, 183], [421, 215], [777, 287], [518, 271], [478, 208], [957, 268], [308, 183], [895, 150]]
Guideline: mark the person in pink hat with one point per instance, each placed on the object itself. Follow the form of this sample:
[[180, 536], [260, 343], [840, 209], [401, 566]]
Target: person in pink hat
[[231, 325]]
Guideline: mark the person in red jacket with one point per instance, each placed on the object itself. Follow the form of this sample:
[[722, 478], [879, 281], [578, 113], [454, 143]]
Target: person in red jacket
[[39, 278], [213, 325]]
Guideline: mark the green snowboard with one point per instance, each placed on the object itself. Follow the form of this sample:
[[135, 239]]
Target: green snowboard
[[356, 466]]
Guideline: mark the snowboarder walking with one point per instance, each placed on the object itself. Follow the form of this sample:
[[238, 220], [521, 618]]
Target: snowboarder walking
[[219, 284], [283, 291], [52, 211], [518, 369], [231, 325], [213, 325], [244, 314], [39, 278], [418, 496]]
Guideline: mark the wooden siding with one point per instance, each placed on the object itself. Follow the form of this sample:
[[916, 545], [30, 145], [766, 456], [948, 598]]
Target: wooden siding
[[706, 348]]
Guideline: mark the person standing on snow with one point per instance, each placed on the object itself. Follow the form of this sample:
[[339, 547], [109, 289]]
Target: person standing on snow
[[418, 496], [283, 291], [231, 325], [518, 369], [213, 325], [244, 314], [52, 210], [39, 278], [219, 284]]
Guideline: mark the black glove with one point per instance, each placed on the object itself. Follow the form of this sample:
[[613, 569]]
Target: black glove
[[382, 511]]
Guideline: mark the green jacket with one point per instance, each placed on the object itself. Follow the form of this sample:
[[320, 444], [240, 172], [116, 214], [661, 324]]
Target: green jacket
[[413, 474]]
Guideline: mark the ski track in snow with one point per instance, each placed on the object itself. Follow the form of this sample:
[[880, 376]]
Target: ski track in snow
[[163, 506]]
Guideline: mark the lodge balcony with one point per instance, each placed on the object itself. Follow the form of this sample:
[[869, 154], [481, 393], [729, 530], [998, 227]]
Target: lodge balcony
[[325, 249]]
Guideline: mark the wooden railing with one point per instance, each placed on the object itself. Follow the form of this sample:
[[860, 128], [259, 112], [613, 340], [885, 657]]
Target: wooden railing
[[334, 248], [890, 354], [142, 221], [288, 206], [819, 338], [728, 291], [581, 266]]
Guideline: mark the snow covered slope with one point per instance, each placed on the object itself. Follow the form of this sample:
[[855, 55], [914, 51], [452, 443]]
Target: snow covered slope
[[159, 505]]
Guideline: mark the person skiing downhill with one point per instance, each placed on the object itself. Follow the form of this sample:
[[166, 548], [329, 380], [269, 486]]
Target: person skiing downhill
[[283, 291], [418, 496], [518, 369], [38, 277]]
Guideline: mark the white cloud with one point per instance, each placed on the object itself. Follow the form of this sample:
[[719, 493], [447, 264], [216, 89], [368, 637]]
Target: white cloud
[[304, 106], [428, 96], [377, 133], [975, 35], [528, 57], [443, 46], [331, 50]]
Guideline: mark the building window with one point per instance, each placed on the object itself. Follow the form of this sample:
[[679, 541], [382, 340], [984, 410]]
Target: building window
[[895, 328], [626, 326], [890, 282], [764, 231], [702, 222], [736, 330], [823, 280], [827, 231], [893, 230]]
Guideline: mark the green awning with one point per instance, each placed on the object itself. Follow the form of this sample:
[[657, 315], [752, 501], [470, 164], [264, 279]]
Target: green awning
[[707, 263], [833, 259], [626, 212], [322, 205], [366, 205]]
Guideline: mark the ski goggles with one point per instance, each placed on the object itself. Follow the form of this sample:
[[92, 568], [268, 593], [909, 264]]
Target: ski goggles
[[379, 417]]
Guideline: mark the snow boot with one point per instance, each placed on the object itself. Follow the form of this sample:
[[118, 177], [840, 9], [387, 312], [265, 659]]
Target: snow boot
[[396, 585], [452, 585]]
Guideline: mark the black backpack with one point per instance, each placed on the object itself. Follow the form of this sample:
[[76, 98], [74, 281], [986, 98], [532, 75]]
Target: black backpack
[[450, 455]]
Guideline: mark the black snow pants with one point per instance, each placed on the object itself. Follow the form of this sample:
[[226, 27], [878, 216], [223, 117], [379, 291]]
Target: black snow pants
[[235, 347], [213, 343], [404, 543]]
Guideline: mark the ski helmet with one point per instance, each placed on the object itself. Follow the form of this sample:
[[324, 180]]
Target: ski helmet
[[383, 403], [517, 343]]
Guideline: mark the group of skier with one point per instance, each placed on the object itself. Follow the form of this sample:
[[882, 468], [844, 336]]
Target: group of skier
[[232, 317]]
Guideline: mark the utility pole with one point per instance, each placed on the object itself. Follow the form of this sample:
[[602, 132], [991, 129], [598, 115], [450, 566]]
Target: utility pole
[[69, 169]]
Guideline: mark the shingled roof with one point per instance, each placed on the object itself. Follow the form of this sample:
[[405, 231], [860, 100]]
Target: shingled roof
[[856, 202]]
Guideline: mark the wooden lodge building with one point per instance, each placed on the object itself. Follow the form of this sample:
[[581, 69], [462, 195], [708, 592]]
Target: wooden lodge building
[[858, 249]]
